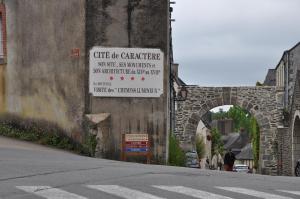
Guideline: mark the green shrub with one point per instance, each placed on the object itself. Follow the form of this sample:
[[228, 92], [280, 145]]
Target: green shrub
[[176, 154], [89, 145]]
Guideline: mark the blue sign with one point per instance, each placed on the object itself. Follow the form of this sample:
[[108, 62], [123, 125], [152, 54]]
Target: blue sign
[[136, 149]]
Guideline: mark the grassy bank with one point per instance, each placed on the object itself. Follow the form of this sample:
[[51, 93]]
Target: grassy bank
[[45, 133]]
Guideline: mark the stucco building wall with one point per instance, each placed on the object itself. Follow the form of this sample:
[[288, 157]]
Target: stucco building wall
[[137, 24], [42, 80]]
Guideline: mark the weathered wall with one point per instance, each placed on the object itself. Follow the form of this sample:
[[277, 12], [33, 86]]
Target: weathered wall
[[259, 101], [291, 60], [42, 79], [283, 151], [131, 23], [291, 141]]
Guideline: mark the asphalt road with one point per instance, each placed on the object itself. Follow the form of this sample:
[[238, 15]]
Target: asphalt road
[[31, 171]]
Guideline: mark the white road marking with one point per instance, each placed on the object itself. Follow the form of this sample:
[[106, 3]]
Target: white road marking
[[49, 192], [192, 192], [291, 192], [123, 192], [254, 193]]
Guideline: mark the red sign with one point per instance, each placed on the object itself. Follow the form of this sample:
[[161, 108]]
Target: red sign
[[135, 145]]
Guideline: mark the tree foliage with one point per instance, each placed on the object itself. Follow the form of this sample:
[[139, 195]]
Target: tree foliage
[[219, 115], [217, 144], [259, 83], [241, 118]]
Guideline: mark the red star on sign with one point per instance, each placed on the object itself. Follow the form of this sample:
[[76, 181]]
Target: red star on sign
[[122, 78], [132, 78], [111, 77], [143, 78]]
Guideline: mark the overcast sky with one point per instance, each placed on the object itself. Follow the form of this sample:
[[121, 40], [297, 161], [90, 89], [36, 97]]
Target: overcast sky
[[232, 42]]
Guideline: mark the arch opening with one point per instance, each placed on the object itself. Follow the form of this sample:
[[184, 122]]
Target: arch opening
[[231, 127], [296, 140], [260, 102]]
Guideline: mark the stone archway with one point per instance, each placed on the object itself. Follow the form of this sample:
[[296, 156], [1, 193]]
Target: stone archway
[[258, 101], [296, 139]]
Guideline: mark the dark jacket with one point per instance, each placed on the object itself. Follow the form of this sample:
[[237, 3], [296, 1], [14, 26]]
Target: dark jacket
[[229, 158]]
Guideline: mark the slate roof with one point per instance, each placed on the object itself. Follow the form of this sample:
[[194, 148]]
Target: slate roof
[[246, 153], [232, 141], [235, 140], [270, 79]]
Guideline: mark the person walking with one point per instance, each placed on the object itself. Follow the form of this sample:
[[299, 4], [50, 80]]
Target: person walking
[[220, 162], [214, 162], [207, 164], [229, 159]]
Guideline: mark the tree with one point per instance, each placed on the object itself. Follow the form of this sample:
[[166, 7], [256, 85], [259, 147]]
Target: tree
[[217, 144], [241, 118], [259, 84], [219, 115]]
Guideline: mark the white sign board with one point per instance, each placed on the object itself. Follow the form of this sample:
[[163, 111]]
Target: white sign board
[[126, 72], [136, 137]]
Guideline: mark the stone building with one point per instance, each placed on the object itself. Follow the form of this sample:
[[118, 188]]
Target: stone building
[[44, 71], [225, 126], [289, 135], [288, 89], [270, 79], [286, 71]]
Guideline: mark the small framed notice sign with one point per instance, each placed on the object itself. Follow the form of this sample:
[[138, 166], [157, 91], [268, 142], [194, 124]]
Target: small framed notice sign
[[135, 145], [126, 72]]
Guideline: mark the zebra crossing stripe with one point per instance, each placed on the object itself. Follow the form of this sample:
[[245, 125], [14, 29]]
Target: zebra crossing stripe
[[254, 193], [49, 192], [291, 192], [123, 192], [192, 192]]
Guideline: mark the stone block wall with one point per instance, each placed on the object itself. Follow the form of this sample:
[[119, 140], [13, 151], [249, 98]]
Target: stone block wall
[[284, 151], [292, 141], [259, 101]]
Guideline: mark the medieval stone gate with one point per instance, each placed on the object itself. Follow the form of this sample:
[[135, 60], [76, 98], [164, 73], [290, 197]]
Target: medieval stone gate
[[261, 102]]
